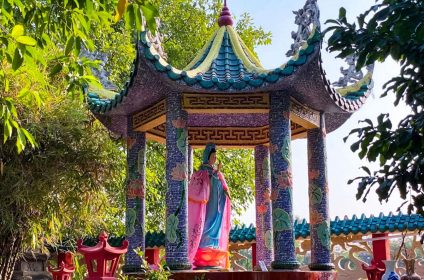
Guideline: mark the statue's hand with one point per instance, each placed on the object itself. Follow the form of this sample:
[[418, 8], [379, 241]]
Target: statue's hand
[[219, 167]]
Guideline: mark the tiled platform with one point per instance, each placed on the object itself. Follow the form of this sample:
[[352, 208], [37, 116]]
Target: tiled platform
[[255, 275]]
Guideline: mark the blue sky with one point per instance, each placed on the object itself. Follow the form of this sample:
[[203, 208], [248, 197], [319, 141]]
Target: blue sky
[[276, 16]]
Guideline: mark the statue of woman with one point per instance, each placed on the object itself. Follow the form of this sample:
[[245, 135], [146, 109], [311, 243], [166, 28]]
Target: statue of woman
[[209, 214]]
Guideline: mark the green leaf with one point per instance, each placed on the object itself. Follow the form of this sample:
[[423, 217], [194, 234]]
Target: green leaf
[[149, 13], [18, 59], [56, 69], [26, 40], [17, 31], [20, 140], [342, 13], [7, 133], [69, 45], [29, 137], [121, 7]]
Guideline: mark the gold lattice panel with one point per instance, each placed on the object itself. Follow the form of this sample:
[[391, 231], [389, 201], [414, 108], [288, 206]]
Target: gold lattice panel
[[226, 136], [228, 103], [150, 118]]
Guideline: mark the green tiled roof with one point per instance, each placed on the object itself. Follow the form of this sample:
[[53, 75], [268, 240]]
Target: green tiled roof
[[226, 63], [345, 226], [243, 234], [366, 225], [103, 100]]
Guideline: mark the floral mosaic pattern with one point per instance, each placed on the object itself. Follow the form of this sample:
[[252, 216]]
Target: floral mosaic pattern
[[176, 241], [131, 217], [135, 193], [285, 150], [268, 239], [263, 205], [323, 232], [285, 179], [315, 217], [135, 189], [281, 220], [318, 199], [172, 228], [141, 160], [315, 194], [179, 172], [182, 134]]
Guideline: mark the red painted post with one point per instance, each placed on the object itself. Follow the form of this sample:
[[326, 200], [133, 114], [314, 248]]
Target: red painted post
[[152, 256], [381, 247], [65, 267], [102, 260], [254, 260]]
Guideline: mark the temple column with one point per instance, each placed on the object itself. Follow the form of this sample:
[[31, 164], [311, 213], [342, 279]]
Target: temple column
[[135, 202], [190, 161], [176, 243], [264, 250], [281, 182], [318, 199]]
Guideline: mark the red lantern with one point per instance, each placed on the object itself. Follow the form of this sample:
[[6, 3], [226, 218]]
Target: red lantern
[[65, 267], [102, 260]]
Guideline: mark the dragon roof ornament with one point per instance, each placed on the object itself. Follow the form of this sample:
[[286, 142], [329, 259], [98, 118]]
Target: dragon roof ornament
[[100, 72], [307, 19], [157, 39], [350, 74]]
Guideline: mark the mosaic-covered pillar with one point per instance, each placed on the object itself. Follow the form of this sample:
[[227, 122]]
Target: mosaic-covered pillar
[[176, 243], [281, 182], [190, 161], [264, 250], [135, 202], [318, 199]]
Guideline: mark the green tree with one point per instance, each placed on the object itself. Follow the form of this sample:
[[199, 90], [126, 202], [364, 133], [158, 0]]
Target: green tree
[[73, 169], [49, 193], [29, 28], [390, 28]]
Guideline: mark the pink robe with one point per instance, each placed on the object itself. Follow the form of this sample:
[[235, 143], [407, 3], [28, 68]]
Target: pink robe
[[198, 195]]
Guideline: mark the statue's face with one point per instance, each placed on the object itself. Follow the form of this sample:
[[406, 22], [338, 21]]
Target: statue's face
[[212, 159]]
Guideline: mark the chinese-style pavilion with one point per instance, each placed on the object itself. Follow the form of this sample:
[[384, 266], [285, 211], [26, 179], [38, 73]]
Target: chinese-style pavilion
[[226, 97]]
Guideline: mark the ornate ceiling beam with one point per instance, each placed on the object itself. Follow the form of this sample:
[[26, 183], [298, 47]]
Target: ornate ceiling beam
[[229, 137], [150, 118]]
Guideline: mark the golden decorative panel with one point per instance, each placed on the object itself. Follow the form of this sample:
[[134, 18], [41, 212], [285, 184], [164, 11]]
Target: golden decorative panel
[[207, 103], [150, 118], [303, 115], [226, 136]]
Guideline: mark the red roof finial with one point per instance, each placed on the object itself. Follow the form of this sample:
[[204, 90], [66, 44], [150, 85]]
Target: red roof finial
[[225, 17]]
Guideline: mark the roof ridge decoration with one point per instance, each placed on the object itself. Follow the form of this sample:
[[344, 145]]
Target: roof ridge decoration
[[307, 19], [156, 39], [225, 17], [353, 83]]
